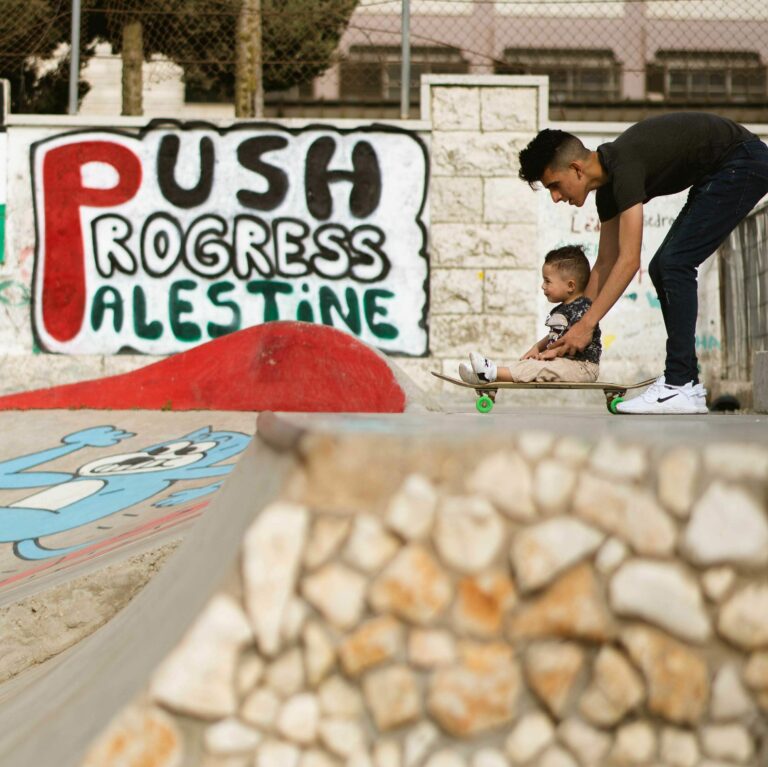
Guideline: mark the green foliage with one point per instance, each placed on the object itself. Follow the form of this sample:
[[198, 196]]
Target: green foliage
[[31, 31], [298, 41], [298, 36]]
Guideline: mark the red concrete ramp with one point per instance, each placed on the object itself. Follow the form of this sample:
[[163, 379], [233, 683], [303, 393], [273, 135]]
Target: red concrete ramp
[[285, 366]]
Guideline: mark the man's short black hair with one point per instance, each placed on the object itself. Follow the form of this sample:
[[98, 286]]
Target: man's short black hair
[[550, 148], [570, 261]]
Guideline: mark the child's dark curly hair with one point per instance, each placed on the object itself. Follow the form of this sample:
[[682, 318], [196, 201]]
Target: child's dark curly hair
[[570, 261]]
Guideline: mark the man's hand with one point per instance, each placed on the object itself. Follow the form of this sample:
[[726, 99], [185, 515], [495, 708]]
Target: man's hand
[[575, 340]]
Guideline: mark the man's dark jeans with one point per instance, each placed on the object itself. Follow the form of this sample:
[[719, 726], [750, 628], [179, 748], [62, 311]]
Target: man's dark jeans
[[714, 208]]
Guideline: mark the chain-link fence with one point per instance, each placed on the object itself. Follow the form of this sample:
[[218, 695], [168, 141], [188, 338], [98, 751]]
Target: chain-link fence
[[606, 59], [744, 295], [603, 58]]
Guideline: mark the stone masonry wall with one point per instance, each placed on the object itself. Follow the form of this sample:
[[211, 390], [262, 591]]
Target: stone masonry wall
[[484, 264], [538, 601]]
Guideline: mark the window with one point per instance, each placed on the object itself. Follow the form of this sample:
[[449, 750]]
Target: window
[[373, 73], [575, 75], [716, 76]]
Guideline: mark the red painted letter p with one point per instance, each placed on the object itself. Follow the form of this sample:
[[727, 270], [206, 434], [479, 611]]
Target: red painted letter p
[[63, 294]]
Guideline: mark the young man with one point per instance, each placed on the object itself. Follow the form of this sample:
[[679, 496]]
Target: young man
[[726, 167]]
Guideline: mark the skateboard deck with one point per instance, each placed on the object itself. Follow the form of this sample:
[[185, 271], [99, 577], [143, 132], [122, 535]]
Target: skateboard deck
[[486, 392]]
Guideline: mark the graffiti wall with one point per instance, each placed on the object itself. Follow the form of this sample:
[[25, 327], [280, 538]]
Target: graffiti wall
[[151, 238], [181, 233], [3, 190]]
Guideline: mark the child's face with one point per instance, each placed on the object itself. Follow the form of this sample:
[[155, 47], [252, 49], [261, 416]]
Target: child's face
[[557, 288]]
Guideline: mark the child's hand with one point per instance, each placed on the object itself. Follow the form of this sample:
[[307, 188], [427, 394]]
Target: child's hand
[[532, 353]]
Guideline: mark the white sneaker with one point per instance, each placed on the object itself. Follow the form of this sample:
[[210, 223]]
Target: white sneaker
[[663, 398], [484, 369], [701, 397], [467, 374]]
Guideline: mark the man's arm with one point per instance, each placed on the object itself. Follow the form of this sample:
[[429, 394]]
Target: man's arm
[[611, 281], [607, 253]]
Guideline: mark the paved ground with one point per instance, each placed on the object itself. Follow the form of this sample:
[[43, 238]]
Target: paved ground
[[81, 489], [460, 417], [50, 713]]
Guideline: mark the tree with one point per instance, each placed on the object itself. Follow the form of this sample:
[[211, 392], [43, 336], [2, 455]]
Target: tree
[[297, 39], [136, 29], [290, 42], [300, 38]]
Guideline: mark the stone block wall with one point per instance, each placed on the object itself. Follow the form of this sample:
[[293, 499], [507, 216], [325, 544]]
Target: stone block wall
[[538, 601], [484, 264]]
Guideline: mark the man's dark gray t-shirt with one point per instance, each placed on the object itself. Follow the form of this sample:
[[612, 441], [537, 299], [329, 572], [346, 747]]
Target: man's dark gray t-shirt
[[663, 155]]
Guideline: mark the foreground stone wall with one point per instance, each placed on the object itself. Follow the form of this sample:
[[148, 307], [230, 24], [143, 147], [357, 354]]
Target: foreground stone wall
[[541, 600]]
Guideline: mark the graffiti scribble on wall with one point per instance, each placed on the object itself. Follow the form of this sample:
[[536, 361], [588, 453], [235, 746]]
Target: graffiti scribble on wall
[[3, 189], [106, 485], [186, 232]]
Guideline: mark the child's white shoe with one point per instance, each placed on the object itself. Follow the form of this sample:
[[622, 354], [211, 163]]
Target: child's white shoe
[[467, 374], [484, 368]]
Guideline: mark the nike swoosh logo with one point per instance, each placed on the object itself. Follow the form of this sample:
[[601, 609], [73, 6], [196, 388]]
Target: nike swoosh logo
[[664, 399]]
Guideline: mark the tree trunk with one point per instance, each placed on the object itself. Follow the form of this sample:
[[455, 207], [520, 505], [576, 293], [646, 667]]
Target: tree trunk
[[133, 61], [249, 88]]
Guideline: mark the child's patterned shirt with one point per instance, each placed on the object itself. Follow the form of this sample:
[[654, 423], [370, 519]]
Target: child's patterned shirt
[[562, 317]]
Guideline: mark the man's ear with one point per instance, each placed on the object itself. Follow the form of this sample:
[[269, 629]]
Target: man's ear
[[578, 166]]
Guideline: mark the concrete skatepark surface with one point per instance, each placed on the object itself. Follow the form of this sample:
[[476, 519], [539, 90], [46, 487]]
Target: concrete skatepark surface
[[51, 712], [115, 658], [160, 510]]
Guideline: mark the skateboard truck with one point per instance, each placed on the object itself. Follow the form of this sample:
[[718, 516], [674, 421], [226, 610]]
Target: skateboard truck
[[486, 398]]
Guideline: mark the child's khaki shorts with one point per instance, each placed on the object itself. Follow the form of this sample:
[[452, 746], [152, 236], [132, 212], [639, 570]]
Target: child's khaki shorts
[[560, 369]]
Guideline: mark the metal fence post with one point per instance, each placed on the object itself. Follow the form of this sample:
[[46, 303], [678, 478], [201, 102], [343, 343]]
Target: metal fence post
[[405, 71], [74, 58]]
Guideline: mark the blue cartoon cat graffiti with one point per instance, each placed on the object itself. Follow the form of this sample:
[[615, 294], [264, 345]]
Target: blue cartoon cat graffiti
[[106, 485]]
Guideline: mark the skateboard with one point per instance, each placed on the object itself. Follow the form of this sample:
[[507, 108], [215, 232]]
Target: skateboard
[[486, 392]]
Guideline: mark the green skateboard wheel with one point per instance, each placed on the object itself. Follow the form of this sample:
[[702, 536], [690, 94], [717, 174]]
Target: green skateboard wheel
[[613, 403], [484, 404]]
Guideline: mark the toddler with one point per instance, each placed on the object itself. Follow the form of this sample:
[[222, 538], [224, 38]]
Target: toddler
[[565, 275]]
